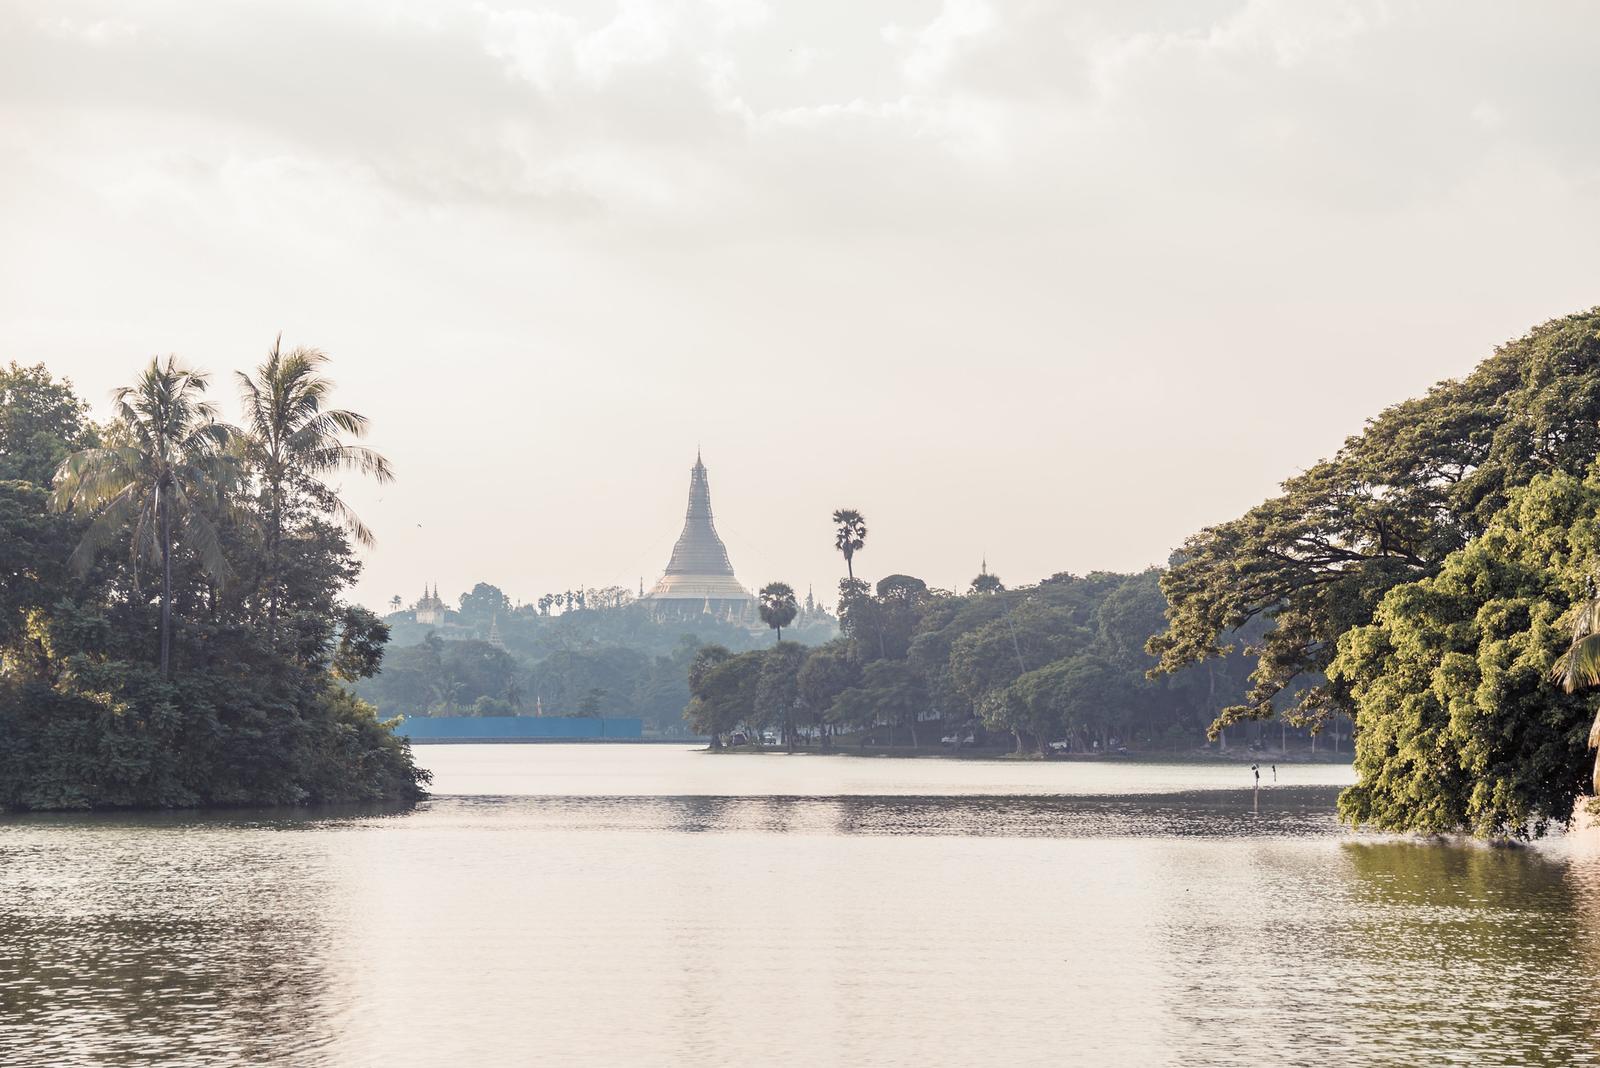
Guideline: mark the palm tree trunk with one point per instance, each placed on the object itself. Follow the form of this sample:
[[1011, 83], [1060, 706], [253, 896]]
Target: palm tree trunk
[[274, 540], [166, 583], [849, 567]]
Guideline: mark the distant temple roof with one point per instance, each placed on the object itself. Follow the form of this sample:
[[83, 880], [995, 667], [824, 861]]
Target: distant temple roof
[[699, 569]]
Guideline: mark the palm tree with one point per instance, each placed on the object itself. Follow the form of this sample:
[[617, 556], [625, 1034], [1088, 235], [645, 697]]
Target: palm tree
[[852, 535], [167, 467], [778, 606], [292, 439], [1579, 667]]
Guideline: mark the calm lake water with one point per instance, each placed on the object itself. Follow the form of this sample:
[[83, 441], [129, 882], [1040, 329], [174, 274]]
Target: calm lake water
[[605, 905]]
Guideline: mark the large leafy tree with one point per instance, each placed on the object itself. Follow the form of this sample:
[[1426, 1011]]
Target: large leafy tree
[[1462, 726], [724, 689], [829, 670], [294, 440], [889, 692], [41, 422], [163, 471], [484, 603], [1422, 480], [778, 697]]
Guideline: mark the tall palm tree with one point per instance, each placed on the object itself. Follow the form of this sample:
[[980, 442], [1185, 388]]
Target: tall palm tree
[[167, 466], [1579, 667], [293, 439], [778, 606], [851, 535]]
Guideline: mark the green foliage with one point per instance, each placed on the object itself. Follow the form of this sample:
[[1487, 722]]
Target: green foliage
[[1434, 579], [778, 700], [41, 421], [726, 687], [777, 606], [850, 536], [1423, 480], [551, 660], [986, 583], [1462, 727], [484, 604], [163, 473], [88, 716], [292, 439], [890, 692], [828, 671], [1060, 662], [362, 638]]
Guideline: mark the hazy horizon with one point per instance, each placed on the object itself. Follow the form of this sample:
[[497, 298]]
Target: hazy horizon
[[1058, 288]]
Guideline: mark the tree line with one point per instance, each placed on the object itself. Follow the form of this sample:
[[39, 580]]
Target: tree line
[[1059, 666], [171, 626], [607, 656]]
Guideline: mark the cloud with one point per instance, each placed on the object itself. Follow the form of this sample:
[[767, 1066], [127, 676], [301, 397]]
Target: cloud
[[645, 215]]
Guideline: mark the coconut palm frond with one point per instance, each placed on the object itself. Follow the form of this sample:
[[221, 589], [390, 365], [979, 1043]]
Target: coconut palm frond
[[351, 522], [201, 535], [102, 532], [329, 424], [1579, 667], [296, 435], [358, 458]]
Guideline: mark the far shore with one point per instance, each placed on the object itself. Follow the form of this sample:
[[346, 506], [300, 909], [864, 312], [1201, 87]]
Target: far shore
[[925, 752]]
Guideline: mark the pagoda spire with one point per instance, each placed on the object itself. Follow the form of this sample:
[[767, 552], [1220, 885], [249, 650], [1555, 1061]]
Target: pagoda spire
[[699, 573]]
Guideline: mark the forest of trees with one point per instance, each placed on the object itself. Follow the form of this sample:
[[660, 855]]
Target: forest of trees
[[171, 632], [1428, 580], [597, 652], [1056, 667]]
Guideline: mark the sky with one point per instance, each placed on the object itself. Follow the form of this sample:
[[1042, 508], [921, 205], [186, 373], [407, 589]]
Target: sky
[[1052, 283]]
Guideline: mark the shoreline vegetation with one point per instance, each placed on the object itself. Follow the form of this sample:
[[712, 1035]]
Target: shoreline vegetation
[[171, 630], [1238, 757], [1433, 588]]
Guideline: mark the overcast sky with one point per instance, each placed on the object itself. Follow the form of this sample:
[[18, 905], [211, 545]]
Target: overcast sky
[[1059, 283]]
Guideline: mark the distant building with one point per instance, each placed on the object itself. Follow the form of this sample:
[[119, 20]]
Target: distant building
[[430, 610], [699, 579]]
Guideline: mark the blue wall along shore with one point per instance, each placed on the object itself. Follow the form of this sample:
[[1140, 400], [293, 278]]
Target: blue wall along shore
[[519, 729]]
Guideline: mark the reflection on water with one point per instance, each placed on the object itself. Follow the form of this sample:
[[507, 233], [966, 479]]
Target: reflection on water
[[1127, 925], [1284, 812]]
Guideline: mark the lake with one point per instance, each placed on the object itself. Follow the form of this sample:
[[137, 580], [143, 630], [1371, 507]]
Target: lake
[[605, 905]]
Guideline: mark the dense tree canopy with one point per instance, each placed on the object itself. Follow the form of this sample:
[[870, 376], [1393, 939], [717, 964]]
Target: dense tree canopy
[[1426, 580], [1462, 726], [41, 422], [88, 718], [549, 661], [1061, 663], [1422, 480]]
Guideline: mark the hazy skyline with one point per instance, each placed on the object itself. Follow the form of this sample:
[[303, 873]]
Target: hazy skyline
[[1054, 285]]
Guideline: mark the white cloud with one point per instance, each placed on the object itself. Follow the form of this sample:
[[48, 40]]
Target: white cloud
[[647, 221], [933, 49]]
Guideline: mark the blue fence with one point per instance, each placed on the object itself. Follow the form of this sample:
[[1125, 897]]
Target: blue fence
[[517, 729]]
